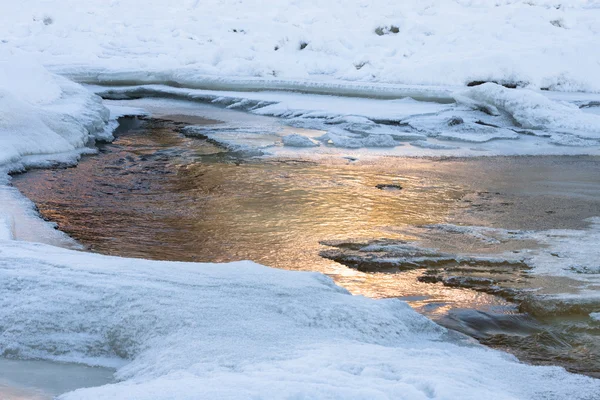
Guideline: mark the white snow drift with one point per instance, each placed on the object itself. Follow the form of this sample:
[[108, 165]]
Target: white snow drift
[[542, 43], [44, 118], [45, 114], [241, 331]]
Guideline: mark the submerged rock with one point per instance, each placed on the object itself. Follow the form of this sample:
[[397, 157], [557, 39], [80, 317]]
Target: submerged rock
[[388, 186]]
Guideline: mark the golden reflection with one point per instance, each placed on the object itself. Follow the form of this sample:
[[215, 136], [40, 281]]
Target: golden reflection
[[152, 194]]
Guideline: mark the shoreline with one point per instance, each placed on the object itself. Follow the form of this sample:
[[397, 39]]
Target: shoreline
[[474, 182]]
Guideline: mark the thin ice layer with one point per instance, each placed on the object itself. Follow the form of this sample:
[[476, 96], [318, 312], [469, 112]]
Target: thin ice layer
[[404, 127]]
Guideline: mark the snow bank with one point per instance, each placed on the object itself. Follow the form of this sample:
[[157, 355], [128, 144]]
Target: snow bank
[[258, 332], [44, 114], [44, 119], [537, 42]]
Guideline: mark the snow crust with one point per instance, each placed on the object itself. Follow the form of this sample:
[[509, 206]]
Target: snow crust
[[541, 43], [242, 330]]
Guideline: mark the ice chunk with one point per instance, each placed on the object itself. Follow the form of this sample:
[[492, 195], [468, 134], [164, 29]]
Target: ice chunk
[[375, 140], [532, 110], [295, 140]]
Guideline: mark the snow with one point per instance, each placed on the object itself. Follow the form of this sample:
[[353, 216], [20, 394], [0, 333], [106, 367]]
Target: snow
[[541, 43], [45, 114], [44, 119], [6, 227], [405, 64], [532, 110], [257, 331]]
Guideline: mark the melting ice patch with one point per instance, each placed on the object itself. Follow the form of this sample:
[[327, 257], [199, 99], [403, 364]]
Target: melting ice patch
[[532, 110], [296, 140], [493, 260], [174, 329], [488, 119]]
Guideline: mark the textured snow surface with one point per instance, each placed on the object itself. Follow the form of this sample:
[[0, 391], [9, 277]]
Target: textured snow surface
[[241, 330], [543, 43], [532, 110]]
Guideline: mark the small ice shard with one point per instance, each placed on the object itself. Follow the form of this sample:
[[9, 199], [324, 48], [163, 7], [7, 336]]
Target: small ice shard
[[295, 140]]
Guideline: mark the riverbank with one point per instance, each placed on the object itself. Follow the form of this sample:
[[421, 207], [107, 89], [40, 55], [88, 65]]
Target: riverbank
[[99, 313]]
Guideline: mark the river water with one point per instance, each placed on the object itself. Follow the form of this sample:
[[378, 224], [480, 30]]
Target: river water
[[156, 193]]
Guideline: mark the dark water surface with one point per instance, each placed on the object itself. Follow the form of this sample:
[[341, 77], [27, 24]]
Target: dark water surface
[[154, 193]]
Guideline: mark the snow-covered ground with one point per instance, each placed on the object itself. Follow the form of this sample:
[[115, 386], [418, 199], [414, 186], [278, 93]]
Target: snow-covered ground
[[416, 57], [542, 43], [44, 119], [242, 330]]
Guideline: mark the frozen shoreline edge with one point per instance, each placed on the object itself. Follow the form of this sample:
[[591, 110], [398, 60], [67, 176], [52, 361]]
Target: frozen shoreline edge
[[20, 262]]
